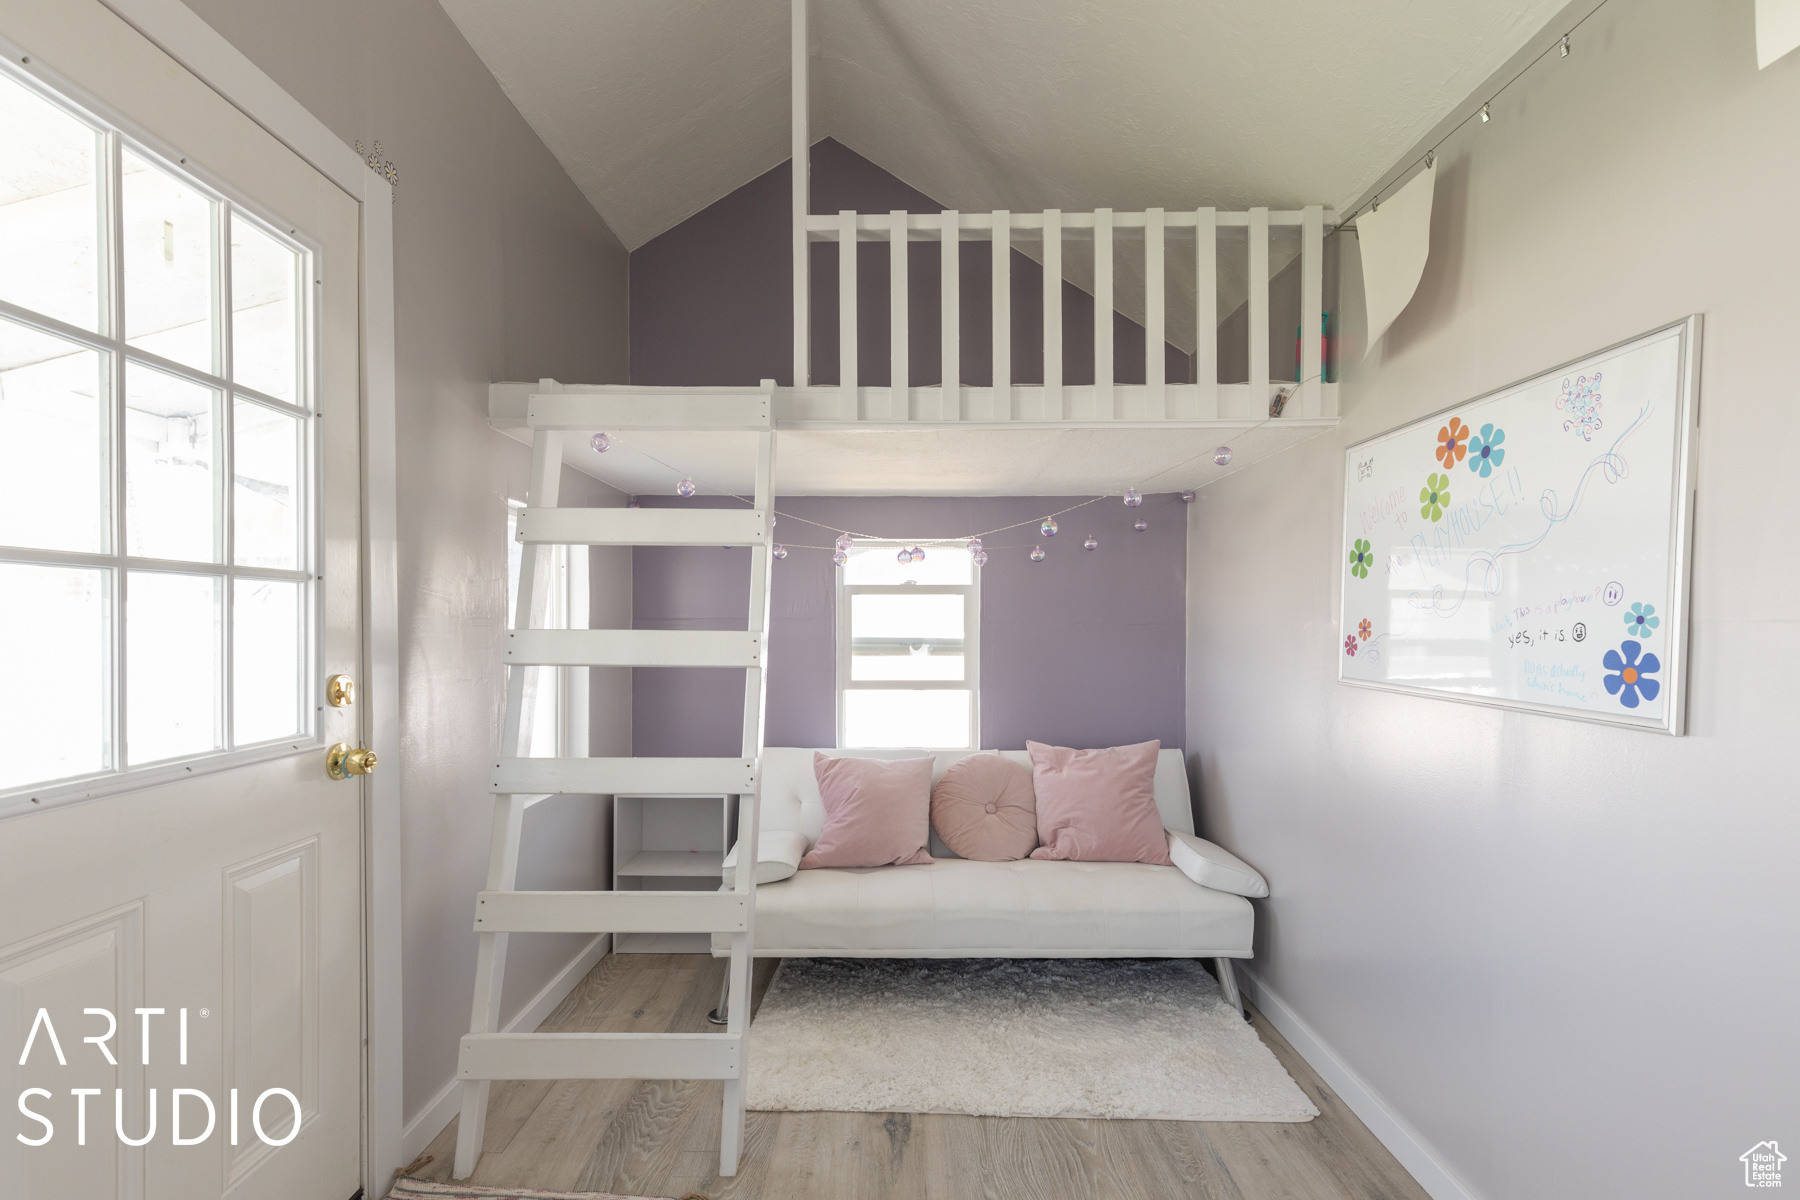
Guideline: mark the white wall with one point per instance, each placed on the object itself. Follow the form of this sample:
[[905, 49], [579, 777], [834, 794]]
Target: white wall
[[1564, 952], [502, 271]]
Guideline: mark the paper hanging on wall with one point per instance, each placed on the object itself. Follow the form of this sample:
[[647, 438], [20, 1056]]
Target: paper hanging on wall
[[1395, 240], [1777, 29]]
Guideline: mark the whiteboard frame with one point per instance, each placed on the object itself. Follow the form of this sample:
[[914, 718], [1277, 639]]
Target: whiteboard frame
[[1687, 400]]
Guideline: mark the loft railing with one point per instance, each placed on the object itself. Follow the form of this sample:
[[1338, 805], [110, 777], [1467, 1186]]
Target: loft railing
[[1054, 400]]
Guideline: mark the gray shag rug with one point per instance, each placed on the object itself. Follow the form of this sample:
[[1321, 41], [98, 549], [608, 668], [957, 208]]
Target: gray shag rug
[[1150, 1039]]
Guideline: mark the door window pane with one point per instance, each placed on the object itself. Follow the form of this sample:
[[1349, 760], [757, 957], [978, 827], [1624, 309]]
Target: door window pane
[[265, 661], [53, 439], [172, 683], [266, 479], [265, 315], [169, 269], [53, 640], [171, 510], [937, 720], [49, 208]]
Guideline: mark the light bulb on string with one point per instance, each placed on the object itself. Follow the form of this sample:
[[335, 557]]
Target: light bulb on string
[[685, 488], [1091, 542], [905, 555], [974, 546], [979, 558], [839, 557], [1037, 554], [778, 550], [1222, 455], [918, 554], [1048, 528], [1140, 525], [601, 443], [1133, 497], [1187, 497]]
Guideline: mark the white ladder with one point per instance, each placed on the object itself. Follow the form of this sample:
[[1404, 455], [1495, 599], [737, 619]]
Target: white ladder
[[488, 1054]]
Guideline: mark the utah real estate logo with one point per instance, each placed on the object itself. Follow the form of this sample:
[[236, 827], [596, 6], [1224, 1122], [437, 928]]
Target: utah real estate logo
[[1762, 1165]]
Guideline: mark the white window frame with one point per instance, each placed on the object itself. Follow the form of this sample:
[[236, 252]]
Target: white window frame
[[568, 608], [118, 134], [971, 680]]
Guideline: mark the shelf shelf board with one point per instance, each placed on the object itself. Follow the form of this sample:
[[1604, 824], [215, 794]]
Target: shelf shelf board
[[675, 862]]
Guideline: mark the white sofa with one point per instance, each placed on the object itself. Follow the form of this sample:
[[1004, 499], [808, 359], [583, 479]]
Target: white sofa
[[958, 908]]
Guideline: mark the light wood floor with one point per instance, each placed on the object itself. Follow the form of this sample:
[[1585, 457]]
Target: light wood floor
[[660, 1138]]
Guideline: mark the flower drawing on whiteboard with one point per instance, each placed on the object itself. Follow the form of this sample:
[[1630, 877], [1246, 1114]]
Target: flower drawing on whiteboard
[[1360, 558], [1350, 644], [1580, 399], [1629, 675], [1434, 497], [1642, 619], [1364, 629], [1484, 450], [1453, 443]]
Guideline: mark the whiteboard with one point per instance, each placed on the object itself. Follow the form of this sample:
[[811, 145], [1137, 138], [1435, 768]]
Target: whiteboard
[[1530, 548]]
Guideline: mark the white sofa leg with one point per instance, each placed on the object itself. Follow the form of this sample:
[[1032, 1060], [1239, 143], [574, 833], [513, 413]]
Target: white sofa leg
[[1228, 985]]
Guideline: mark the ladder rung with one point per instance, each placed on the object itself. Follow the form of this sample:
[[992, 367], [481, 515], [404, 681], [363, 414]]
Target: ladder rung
[[601, 1055], [633, 648], [611, 912], [608, 776], [744, 410], [643, 526]]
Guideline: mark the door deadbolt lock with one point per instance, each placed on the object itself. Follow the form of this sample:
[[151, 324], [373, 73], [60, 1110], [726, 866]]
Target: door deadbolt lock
[[341, 762], [340, 690]]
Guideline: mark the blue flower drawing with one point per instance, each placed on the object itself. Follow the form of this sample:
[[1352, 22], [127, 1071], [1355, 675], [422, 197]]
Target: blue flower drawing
[[1581, 400], [1642, 619], [1630, 675], [1484, 450]]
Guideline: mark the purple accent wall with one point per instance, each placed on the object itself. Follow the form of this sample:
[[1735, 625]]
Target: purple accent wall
[[712, 299], [1082, 649]]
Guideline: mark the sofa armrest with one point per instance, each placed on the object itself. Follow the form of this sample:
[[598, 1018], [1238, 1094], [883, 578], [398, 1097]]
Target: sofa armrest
[[1214, 866], [778, 855]]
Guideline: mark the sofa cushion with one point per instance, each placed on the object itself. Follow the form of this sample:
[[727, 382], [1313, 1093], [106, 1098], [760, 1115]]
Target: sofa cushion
[[876, 813], [778, 855], [1098, 805], [957, 908], [983, 808]]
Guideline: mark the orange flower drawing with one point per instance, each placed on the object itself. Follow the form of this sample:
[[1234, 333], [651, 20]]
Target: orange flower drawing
[[1453, 442], [1363, 628]]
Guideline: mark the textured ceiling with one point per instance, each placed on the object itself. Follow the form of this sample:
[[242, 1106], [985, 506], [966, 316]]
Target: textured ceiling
[[659, 107]]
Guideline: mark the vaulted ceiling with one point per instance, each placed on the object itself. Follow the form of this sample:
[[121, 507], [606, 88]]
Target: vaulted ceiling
[[659, 107]]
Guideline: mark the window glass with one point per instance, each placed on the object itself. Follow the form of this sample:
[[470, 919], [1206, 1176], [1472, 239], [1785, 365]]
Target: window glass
[[171, 509], [265, 660], [50, 216], [172, 679], [170, 273], [54, 627], [53, 442], [876, 719], [933, 615], [265, 312], [266, 467]]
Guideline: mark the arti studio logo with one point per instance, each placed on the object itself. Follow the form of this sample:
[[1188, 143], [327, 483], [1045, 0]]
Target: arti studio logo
[[35, 1102], [1762, 1165]]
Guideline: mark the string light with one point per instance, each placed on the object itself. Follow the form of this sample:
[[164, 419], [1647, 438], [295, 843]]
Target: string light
[[1048, 528], [1140, 525], [1037, 554], [685, 488], [600, 442], [778, 550], [1485, 118], [1091, 542], [1133, 497], [1222, 455]]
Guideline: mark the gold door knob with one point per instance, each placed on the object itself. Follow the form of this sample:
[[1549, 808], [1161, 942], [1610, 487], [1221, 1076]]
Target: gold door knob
[[341, 762], [340, 690]]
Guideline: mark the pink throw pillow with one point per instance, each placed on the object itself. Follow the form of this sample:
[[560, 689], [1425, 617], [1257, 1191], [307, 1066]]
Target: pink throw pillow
[[877, 812], [984, 809], [1098, 805]]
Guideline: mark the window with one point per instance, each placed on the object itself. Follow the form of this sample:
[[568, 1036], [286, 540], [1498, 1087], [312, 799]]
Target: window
[[908, 649], [554, 721], [157, 532]]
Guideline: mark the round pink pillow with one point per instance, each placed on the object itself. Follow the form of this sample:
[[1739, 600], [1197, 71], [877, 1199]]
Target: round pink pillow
[[984, 808]]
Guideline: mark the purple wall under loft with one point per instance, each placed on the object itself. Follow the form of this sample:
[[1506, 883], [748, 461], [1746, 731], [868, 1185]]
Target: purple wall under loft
[[712, 298], [1082, 649]]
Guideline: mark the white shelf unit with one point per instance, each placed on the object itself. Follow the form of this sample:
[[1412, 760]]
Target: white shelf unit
[[669, 843]]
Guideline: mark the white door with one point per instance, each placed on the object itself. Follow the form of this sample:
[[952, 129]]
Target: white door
[[179, 578]]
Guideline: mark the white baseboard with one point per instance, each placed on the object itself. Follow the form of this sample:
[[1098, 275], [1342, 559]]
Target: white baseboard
[[1403, 1141], [423, 1129]]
